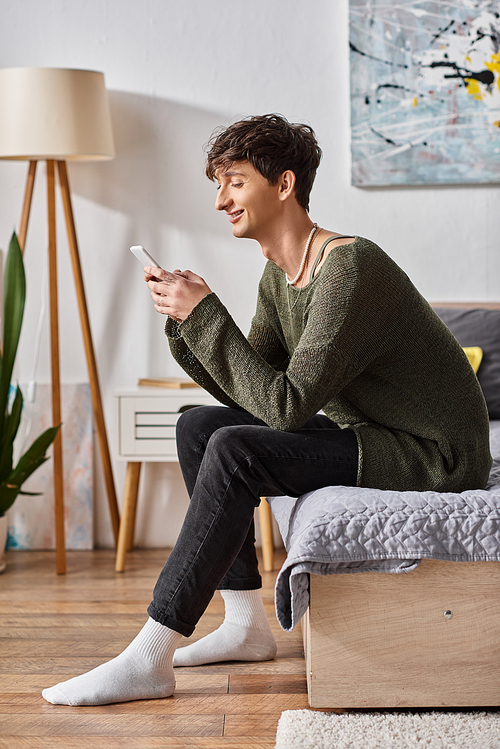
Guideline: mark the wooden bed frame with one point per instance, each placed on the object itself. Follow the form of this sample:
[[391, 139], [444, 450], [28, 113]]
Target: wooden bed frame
[[427, 638]]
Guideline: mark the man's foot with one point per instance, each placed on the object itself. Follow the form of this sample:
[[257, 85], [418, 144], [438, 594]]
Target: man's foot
[[231, 642], [143, 671], [244, 635]]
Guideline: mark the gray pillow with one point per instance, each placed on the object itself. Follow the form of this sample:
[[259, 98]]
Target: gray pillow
[[479, 327]]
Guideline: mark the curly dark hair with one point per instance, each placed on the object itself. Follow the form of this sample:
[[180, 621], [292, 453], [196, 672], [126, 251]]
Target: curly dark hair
[[272, 145]]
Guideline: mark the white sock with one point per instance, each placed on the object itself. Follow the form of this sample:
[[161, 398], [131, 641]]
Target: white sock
[[143, 671], [244, 635]]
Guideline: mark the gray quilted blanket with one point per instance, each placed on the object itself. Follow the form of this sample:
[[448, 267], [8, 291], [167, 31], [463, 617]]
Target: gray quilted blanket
[[346, 530]]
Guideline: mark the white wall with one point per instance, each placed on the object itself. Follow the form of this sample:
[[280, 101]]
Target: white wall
[[175, 71]]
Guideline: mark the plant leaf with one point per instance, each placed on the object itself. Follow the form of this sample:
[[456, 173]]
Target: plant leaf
[[8, 495], [11, 480], [14, 298], [30, 461], [33, 457], [10, 430]]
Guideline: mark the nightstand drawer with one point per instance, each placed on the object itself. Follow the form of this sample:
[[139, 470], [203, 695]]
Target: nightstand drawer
[[155, 426], [156, 418], [146, 422], [148, 432]]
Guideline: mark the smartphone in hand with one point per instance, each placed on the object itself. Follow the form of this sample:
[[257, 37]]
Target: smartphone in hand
[[143, 256]]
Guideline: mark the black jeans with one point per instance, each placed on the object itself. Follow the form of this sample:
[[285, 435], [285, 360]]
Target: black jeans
[[229, 459]]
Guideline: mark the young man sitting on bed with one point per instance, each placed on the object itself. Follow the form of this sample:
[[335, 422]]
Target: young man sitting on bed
[[339, 328]]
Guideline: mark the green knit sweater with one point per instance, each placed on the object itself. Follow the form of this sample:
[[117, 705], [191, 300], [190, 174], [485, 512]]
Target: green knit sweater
[[360, 343]]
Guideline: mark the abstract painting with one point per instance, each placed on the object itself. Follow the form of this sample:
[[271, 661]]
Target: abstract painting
[[31, 519], [425, 92]]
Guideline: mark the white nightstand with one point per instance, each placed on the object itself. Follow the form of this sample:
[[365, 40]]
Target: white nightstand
[[145, 420]]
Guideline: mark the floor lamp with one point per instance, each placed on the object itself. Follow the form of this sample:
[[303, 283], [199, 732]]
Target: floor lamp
[[55, 115]]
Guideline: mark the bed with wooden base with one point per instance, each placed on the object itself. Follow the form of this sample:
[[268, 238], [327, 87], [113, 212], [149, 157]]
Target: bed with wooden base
[[429, 638], [426, 638]]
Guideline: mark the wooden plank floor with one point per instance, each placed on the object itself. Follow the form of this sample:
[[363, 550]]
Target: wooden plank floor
[[54, 627]]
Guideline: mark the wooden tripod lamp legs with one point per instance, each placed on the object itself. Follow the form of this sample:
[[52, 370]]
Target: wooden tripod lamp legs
[[54, 344], [55, 372], [28, 197], [89, 350]]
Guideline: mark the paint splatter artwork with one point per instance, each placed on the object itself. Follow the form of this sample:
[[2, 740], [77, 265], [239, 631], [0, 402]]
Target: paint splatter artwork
[[425, 92]]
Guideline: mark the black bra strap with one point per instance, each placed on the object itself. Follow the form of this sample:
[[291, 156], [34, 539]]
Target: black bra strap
[[322, 249]]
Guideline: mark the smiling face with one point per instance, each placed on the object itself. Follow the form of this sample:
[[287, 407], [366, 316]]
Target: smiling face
[[248, 199]]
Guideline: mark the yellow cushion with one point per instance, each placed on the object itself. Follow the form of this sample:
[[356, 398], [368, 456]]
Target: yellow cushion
[[474, 355]]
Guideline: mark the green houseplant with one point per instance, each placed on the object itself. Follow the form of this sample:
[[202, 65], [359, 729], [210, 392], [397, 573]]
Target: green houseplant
[[12, 477]]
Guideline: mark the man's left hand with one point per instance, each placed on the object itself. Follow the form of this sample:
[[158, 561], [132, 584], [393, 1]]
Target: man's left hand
[[176, 293]]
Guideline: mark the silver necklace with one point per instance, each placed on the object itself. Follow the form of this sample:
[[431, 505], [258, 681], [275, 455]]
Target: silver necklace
[[302, 265]]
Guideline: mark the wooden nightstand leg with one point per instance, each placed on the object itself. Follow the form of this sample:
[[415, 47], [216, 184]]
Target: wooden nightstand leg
[[127, 522], [266, 534], [133, 490]]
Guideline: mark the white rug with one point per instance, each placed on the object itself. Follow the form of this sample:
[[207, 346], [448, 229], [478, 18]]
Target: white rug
[[308, 729]]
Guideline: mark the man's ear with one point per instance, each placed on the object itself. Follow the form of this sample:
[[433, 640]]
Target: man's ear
[[286, 185]]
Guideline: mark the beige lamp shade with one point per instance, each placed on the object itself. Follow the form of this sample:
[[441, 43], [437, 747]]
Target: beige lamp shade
[[54, 113]]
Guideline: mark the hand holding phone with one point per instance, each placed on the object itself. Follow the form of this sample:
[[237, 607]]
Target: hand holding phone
[[186, 291], [143, 256]]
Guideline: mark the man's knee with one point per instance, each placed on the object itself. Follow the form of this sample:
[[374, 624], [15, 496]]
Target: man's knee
[[234, 441], [197, 420], [205, 420]]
